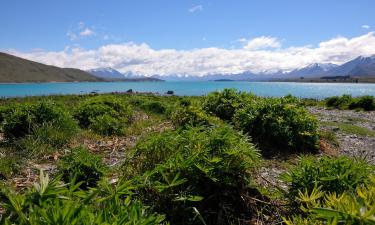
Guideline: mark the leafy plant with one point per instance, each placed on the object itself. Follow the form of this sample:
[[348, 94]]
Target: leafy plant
[[223, 104], [332, 175], [25, 119], [104, 115], [50, 202], [195, 169], [349, 207], [81, 166], [191, 116], [154, 107], [278, 123]]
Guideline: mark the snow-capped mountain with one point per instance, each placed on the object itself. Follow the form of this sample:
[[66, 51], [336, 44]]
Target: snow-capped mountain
[[107, 72], [312, 70], [360, 66]]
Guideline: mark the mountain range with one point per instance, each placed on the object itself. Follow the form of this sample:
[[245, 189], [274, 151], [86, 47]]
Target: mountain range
[[15, 69], [361, 68]]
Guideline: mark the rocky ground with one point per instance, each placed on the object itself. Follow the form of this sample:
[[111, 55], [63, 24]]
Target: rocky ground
[[354, 130], [355, 136]]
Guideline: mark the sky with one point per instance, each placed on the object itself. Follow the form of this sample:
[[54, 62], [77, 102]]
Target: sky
[[188, 36]]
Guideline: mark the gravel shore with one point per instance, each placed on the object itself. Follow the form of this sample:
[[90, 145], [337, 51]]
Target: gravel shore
[[353, 144]]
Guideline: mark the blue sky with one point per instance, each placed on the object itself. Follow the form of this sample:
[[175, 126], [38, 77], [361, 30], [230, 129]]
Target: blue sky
[[60, 26]]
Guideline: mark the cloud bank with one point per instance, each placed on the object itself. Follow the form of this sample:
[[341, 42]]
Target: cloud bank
[[261, 54]]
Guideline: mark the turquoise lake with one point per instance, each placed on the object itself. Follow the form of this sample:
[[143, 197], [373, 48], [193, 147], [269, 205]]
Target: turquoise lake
[[305, 90]]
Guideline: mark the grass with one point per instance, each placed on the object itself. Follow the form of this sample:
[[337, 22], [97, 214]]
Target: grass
[[350, 128]]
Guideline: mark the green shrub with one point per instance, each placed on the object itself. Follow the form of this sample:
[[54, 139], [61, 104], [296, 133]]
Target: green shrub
[[49, 202], [331, 175], [104, 115], [194, 170], [278, 123], [184, 116], [154, 107], [366, 102], [81, 166], [43, 120], [339, 102], [223, 104]]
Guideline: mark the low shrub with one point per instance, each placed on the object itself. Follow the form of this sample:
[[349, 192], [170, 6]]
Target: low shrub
[[154, 107], [81, 166], [366, 102], [223, 104], [339, 102], [104, 115], [195, 171], [331, 175], [39, 128], [184, 116], [22, 120], [278, 123]]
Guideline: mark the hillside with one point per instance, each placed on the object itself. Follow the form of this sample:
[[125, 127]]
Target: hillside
[[17, 70]]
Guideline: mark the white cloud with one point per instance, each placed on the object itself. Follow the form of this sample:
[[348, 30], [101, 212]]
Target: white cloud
[[81, 30], [196, 8], [143, 59], [86, 32], [365, 26], [262, 42]]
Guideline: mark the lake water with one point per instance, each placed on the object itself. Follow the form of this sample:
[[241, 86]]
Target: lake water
[[306, 90]]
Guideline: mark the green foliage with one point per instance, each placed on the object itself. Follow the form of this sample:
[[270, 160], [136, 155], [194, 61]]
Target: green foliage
[[280, 123], [194, 170], [349, 207], [332, 175], [191, 115], [154, 107], [366, 102], [8, 165], [223, 104], [80, 166], [50, 202], [348, 102], [104, 115], [27, 119]]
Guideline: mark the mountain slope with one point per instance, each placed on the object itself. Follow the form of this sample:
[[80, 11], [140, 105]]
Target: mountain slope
[[360, 66], [17, 70], [312, 70]]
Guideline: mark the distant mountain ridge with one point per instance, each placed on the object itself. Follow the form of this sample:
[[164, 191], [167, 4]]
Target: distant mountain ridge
[[15, 69], [358, 67], [18, 70], [111, 74]]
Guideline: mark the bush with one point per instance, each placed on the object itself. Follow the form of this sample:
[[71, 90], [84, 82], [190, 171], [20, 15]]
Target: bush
[[196, 170], [364, 102], [223, 104], [45, 121], [154, 107], [278, 123], [331, 175], [339, 102], [81, 166], [185, 116], [104, 115]]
